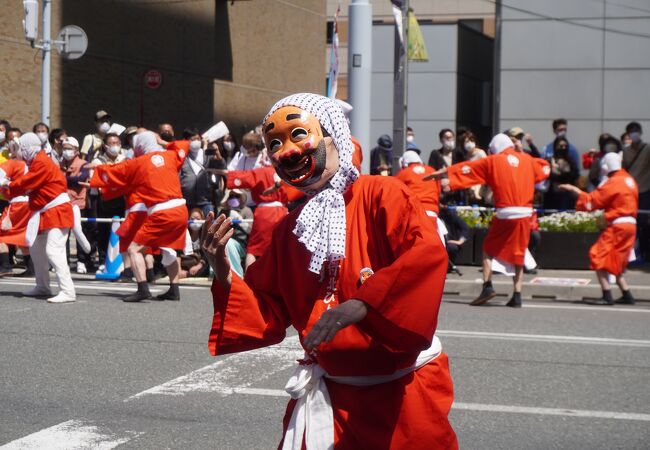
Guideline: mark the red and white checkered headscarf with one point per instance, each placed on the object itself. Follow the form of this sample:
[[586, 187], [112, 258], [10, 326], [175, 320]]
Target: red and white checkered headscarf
[[321, 223]]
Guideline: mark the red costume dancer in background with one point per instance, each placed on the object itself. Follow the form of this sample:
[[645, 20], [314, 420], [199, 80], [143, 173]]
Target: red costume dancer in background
[[51, 219], [512, 176], [153, 175], [618, 195], [358, 272], [15, 216], [413, 170], [271, 207]]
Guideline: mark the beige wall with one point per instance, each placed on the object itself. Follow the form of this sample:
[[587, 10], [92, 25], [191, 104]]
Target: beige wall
[[211, 71]]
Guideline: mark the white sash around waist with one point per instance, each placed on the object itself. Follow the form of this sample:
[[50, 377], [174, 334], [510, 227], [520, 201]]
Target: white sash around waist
[[19, 199], [624, 219], [169, 204], [138, 207], [312, 416], [32, 226], [514, 212], [263, 204]]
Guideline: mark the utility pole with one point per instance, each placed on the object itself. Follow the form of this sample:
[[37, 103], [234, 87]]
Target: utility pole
[[360, 73], [400, 92], [46, 59]]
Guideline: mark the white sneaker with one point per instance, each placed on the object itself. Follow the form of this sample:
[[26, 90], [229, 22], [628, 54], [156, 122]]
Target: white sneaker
[[61, 298], [101, 269], [81, 267], [38, 291]]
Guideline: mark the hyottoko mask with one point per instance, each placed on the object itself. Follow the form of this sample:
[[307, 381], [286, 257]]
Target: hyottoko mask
[[296, 145]]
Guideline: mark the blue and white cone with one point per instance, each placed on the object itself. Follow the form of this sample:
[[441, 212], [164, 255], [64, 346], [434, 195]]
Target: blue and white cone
[[114, 265]]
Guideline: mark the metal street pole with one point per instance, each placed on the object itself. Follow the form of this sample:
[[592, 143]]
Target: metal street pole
[[360, 74], [496, 78], [46, 59], [400, 92]]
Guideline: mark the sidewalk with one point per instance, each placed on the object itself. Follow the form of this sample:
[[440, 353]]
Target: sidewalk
[[548, 284]]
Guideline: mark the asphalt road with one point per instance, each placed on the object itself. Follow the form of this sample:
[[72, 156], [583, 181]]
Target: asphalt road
[[102, 374]]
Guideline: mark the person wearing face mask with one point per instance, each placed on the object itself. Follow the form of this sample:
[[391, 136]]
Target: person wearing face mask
[[195, 180], [381, 157], [606, 144], [249, 156], [228, 146], [477, 193], [563, 171], [77, 177], [234, 207], [109, 154], [52, 218], [4, 154], [56, 138], [195, 264], [41, 130], [127, 141], [618, 195], [447, 154], [93, 142], [560, 127], [166, 132], [636, 160]]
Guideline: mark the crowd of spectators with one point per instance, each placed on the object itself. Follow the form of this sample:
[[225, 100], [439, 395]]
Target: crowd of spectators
[[204, 187]]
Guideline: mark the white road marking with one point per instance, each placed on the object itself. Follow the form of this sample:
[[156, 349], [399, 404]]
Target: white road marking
[[617, 309], [550, 411], [544, 338], [232, 373], [70, 435], [106, 286]]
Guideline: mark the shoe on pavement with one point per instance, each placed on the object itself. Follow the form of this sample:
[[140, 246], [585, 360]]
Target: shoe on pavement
[[5, 271], [530, 271], [514, 303], [62, 298], [599, 302], [38, 291], [26, 273], [485, 296], [625, 301], [81, 268], [137, 296], [169, 295]]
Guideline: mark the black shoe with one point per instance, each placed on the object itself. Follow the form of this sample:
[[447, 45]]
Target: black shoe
[[514, 302], [6, 271], [136, 297], [486, 295], [599, 302], [172, 294], [26, 273], [625, 301], [530, 272]]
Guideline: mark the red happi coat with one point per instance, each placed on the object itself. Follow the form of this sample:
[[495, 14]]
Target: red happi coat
[[15, 216], [619, 197], [265, 218], [154, 178], [512, 176], [43, 183], [388, 232], [426, 191]]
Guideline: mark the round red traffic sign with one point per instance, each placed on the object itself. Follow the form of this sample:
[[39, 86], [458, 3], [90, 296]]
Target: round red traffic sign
[[153, 79]]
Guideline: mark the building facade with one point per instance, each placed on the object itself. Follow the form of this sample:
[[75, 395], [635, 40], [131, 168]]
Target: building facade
[[219, 60]]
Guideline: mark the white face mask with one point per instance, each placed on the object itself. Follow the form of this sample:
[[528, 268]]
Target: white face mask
[[410, 138], [68, 155], [469, 146], [229, 146], [195, 146], [449, 144], [104, 127], [635, 136], [561, 133], [42, 136], [2, 136], [195, 226], [114, 150]]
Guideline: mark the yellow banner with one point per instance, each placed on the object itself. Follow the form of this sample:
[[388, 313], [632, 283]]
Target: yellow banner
[[417, 49]]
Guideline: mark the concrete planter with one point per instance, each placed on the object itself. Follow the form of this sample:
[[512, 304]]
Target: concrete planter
[[565, 250]]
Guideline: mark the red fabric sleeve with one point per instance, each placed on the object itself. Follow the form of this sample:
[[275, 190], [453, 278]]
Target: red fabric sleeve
[[541, 168], [291, 192], [404, 297], [114, 176], [247, 179], [252, 314], [467, 174], [36, 177], [590, 202]]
